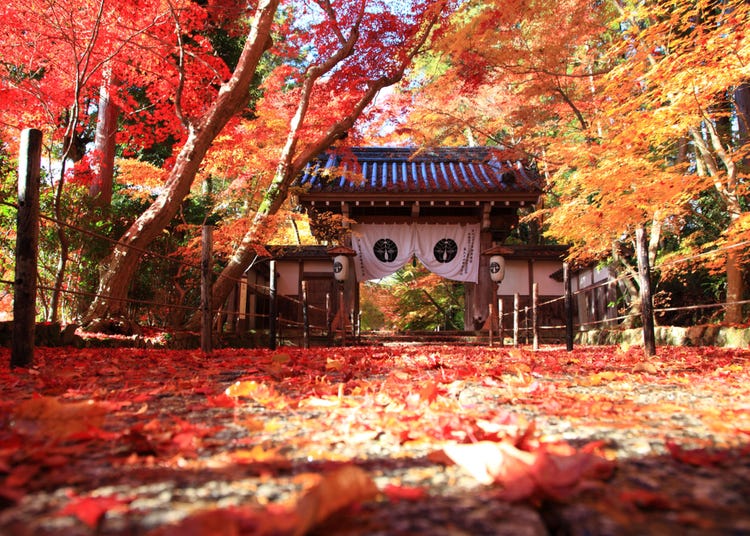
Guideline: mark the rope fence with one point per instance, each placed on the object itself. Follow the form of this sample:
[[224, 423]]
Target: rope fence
[[30, 221], [526, 319], [265, 290], [522, 316]]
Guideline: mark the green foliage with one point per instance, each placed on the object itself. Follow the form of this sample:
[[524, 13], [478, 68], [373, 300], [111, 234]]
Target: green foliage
[[7, 224], [88, 230], [371, 317], [426, 301]]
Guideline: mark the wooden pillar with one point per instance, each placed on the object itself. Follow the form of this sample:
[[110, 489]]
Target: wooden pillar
[[500, 328], [242, 317], [647, 305], [342, 315], [27, 246], [568, 308], [206, 284], [477, 296], [273, 309], [329, 317], [535, 315], [490, 320], [305, 318], [516, 307]]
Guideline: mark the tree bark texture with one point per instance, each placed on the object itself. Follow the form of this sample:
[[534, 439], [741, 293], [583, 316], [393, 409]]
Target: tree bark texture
[[123, 261], [27, 246], [647, 306], [292, 160], [100, 189]]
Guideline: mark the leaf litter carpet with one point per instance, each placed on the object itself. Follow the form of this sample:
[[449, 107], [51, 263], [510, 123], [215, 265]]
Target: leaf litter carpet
[[403, 440]]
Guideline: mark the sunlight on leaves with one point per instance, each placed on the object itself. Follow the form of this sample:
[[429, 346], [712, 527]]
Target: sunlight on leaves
[[551, 471], [332, 492], [47, 416]]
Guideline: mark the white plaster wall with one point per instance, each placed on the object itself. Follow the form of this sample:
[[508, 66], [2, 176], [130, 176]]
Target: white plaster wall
[[548, 286], [601, 274], [325, 267], [516, 278], [287, 283], [585, 278]]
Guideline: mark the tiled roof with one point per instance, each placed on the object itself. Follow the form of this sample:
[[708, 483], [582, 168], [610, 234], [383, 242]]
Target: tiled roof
[[454, 170]]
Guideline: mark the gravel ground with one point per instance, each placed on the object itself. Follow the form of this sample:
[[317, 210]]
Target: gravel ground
[[676, 428]]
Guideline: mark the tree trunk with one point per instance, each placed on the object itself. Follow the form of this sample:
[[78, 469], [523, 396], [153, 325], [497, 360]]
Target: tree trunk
[[292, 161], [742, 108], [122, 263], [623, 272], [100, 189], [647, 307], [735, 272], [728, 187]]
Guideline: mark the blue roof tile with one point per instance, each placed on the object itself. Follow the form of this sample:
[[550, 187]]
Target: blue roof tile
[[445, 171]]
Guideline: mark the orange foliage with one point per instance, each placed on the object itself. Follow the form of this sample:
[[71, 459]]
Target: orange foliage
[[602, 96]]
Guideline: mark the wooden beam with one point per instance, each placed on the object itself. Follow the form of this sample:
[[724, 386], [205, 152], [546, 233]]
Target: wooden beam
[[415, 210], [486, 209]]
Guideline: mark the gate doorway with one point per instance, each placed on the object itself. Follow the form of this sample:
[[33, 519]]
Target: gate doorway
[[412, 300]]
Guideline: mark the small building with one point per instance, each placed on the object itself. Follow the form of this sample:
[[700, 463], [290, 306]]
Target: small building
[[443, 206]]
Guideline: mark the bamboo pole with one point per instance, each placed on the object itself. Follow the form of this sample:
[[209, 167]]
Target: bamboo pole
[[535, 315], [305, 318], [500, 328]]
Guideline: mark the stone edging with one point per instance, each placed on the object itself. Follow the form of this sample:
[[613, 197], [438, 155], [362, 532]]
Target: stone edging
[[705, 335]]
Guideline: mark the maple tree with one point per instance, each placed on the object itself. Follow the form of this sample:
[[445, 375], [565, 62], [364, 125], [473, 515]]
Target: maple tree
[[627, 107], [425, 301], [56, 57], [373, 47], [344, 64]]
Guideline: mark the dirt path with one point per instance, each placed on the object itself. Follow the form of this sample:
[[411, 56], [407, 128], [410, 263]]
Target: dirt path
[[367, 440]]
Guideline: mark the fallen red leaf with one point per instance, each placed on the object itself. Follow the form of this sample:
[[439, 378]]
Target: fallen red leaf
[[90, 510], [404, 493], [222, 400], [646, 499], [47, 416], [551, 471], [696, 457], [334, 491]]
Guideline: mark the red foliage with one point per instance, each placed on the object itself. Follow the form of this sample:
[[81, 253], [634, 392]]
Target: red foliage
[[138, 408]]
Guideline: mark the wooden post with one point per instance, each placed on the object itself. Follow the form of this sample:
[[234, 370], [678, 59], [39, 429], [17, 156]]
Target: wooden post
[[329, 317], [342, 315], [516, 307], [535, 315], [568, 308], [500, 328], [647, 305], [526, 323], [305, 318], [490, 320], [27, 246], [206, 284], [273, 309]]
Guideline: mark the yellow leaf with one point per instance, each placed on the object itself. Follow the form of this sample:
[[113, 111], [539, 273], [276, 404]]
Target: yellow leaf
[[332, 492], [334, 364], [47, 416], [260, 392], [258, 454]]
